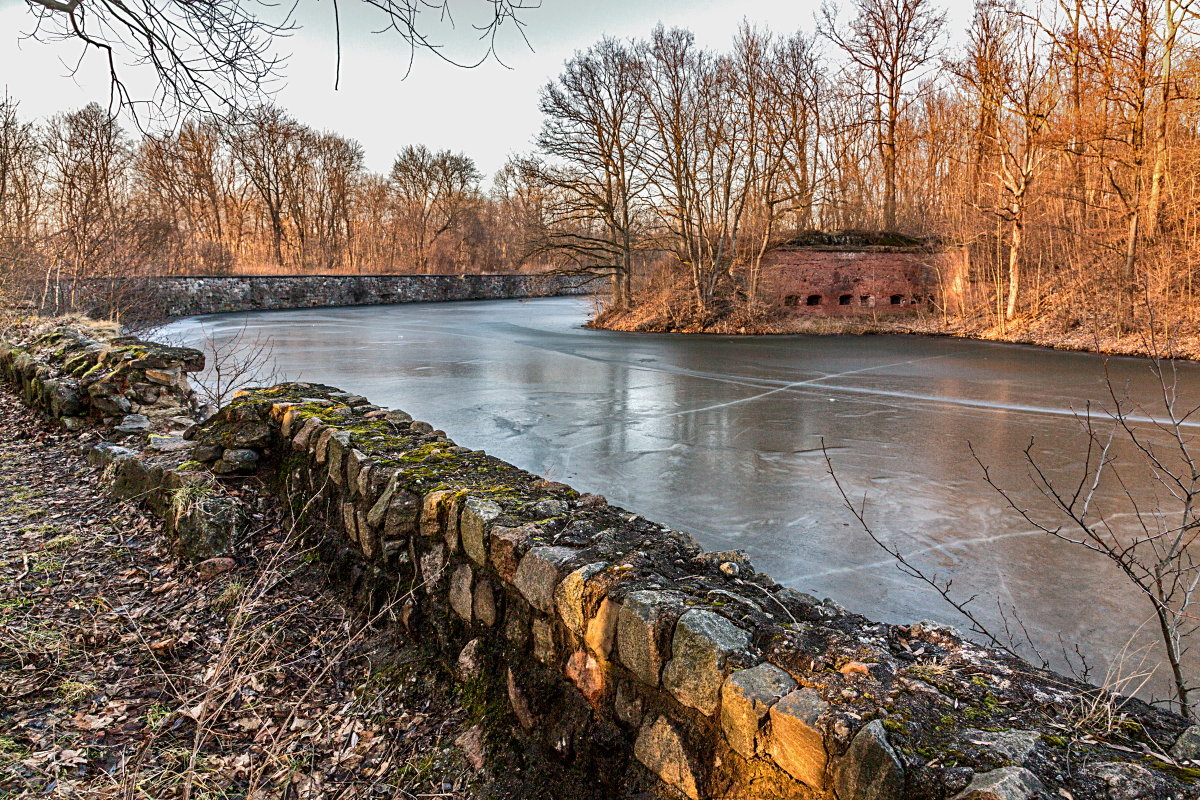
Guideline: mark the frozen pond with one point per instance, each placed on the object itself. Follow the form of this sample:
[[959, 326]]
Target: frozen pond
[[721, 437]]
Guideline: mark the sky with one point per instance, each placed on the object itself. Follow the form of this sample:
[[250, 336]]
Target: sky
[[489, 112]]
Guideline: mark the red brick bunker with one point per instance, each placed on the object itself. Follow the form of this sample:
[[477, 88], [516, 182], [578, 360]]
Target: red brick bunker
[[852, 274]]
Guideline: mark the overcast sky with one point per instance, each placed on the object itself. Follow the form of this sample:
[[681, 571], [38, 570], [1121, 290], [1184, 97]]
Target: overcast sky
[[488, 112]]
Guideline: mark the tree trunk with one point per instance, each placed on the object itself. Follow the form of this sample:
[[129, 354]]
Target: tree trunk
[[1014, 265], [1129, 270], [277, 236], [1159, 175], [1175, 660], [618, 290], [889, 186]]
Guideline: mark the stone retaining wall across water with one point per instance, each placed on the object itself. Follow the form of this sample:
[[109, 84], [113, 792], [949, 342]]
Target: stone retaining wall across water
[[181, 296], [611, 648]]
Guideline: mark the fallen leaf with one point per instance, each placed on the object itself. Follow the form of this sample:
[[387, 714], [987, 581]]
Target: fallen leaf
[[212, 567], [91, 722]]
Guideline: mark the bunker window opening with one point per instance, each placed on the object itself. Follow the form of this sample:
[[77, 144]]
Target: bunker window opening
[[845, 299], [813, 300]]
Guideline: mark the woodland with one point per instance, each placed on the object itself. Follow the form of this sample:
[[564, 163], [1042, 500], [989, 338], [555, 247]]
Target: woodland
[[1058, 143]]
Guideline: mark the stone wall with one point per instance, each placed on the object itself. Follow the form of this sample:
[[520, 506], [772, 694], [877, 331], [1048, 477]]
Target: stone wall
[[850, 281], [186, 295], [89, 379], [615, 650], [75, 372]]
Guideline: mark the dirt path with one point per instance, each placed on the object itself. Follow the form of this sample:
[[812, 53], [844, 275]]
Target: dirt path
[[124, 673]]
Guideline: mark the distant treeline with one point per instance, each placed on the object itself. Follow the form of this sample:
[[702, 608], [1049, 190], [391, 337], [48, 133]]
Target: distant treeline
[[79, 196]]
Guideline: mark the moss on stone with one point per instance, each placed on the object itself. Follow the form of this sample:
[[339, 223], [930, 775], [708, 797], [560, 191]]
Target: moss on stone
[[99, 365], [1187, 775]]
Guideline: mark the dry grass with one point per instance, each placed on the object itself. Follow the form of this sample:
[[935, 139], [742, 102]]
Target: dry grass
[[669, 309]]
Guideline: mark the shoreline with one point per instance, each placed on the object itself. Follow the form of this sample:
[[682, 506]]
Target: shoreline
[[1184, 348]]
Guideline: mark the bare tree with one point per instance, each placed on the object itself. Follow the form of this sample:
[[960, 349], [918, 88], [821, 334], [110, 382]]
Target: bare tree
[[519, 212], [892, 42], [1125, 72], [337, 169], [594, 133], [698, 151], [219, 56], [20, 171], [778, 85], [187, 181], [22, 193], [233, 363], [88, 155], [434, 192], [981, 69], [1173, 34], [267, 145], [1151, 546], [1154, 553], [1011, 75], [798, 81], [1060, 147], [849, 158]]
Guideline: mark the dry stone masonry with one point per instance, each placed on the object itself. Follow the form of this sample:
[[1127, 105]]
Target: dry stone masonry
[[139, 392], [612, 650], [178, 296]]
